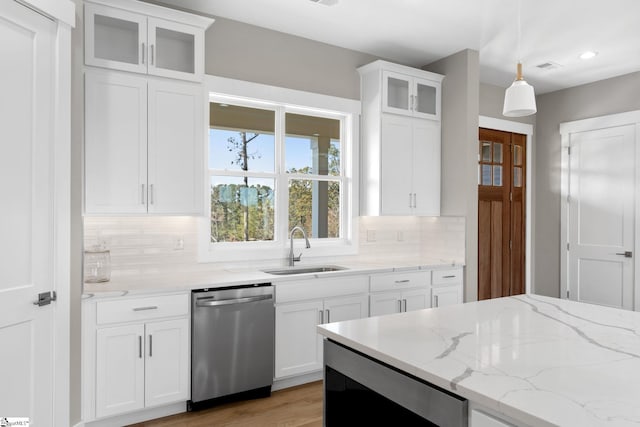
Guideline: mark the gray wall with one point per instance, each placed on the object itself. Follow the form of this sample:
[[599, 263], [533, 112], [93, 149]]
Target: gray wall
[[459, 188], [609, 96], [246, 52]]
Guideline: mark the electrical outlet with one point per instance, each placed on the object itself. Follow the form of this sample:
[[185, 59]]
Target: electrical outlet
[[400, 236], [371, 235], [178, 244]]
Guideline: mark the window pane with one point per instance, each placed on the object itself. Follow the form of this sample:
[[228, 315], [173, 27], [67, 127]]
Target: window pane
[[517, 155], [486, 151], [497, 176], [312, 145], [517, 177], [241, 138], [242, 209], [497, 152], [315, 206], [486, 175]]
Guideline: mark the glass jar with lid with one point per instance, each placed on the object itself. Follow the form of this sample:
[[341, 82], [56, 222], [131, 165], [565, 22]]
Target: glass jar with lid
[[97, 264]]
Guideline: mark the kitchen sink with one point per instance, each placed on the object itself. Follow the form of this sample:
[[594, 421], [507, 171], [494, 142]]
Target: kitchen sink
[[303, 270]]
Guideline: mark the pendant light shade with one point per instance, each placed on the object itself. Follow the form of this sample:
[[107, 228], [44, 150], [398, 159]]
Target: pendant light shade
[[519, 98]]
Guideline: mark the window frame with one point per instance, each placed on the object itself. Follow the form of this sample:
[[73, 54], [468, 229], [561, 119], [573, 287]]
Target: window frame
[[283, 101]]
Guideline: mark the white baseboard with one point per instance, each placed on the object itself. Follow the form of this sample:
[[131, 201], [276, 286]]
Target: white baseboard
[[297, 380], [138, 416]]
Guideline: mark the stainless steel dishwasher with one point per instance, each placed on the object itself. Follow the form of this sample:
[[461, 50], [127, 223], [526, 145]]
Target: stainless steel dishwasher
[[232, 343]]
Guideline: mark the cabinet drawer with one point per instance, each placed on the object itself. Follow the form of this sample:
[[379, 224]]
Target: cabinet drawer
[[134, 309], [308, 289], [445, 277], [402, 280]]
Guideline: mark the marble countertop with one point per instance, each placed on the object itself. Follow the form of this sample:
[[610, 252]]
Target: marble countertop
[[212, 277], [539, 360]]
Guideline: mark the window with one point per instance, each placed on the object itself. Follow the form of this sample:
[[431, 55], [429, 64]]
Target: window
[[271, 167]]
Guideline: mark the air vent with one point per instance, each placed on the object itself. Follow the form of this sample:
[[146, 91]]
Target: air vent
[[325, 2], [549, 65]]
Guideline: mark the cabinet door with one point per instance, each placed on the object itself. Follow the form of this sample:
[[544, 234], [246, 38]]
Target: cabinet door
[[175, 50], [396, 164], [115, 143], [115, 38], [346, 308], [175, 148], [446, 295], [385, 303], [416, 299], [397, 95], [427, 99], [166, 362], [426, 167], [298, 348], [119, 369]]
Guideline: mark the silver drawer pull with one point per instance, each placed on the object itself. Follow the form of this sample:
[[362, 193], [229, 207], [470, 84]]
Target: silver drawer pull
[[151, 307], [403, 281], [450, 276]]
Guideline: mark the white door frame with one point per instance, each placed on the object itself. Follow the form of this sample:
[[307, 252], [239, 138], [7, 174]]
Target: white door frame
[[567, 128], [523, 129]]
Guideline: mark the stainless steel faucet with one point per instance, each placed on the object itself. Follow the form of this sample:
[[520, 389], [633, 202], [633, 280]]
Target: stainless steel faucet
[[292, 258]]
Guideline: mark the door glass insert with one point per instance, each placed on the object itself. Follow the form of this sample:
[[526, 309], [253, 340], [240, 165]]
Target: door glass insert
[[497, 176], [426, 99], [486, 175], [398, 93], [517, 155], [116, 39], [486, 151], [175, 50], [517, 176], [497, 153]]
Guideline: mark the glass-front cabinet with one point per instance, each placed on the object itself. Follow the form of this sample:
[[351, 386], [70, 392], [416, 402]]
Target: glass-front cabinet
[[129, 41], [409, 95]]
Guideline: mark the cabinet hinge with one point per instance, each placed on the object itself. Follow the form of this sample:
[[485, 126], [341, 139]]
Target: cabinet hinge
[[569, 150], [567, 293], [567, 246], [510, 245], [510, 196]]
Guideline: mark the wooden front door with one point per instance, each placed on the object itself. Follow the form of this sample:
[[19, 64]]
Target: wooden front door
[[501, 213]]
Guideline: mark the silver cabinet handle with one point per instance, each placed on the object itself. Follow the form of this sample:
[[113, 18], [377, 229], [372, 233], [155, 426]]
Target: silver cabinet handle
[[415, 201], [151, 194], [321, 316], [140, 346], [410, 102], [150, 345], [436, 300], [142, 194], [328, 316], [450, 276], [405, 305], [143, 52], [150, 307], [152, 55], [415, 103], [400, 304], [410, 200], [403, 281]]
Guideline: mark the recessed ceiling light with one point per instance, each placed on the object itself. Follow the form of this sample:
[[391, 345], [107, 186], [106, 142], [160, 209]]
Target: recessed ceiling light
[[325, 2], [588, 54]]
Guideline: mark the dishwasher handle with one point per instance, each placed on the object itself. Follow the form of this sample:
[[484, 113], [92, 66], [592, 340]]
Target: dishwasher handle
[[200, 303]]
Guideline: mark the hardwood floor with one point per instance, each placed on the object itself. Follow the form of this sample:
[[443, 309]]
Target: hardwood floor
[[292, 407]]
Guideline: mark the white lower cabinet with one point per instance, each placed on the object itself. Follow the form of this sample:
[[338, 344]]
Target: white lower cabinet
[[298, 345], [136, 354], [399, 292], [140, 366], [399, 301], [447, 287]]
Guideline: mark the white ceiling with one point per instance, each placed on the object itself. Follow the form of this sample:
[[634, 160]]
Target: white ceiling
[[417, 32]]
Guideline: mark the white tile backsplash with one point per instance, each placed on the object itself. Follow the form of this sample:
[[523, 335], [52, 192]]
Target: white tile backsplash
[[141, 245]]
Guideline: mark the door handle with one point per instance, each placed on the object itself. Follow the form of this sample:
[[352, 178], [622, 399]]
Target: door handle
[[45, 298], [626, 254], [150, 345]]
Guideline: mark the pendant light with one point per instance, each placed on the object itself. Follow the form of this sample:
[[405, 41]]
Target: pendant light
[[519, 98]]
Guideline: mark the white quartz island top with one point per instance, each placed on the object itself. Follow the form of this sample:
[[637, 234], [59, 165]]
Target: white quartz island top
[[541, 361]]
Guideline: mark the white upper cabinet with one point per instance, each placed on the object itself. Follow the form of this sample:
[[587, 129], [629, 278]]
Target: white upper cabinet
[[143, 38], [400, 172], [412, 96], [144, 145]]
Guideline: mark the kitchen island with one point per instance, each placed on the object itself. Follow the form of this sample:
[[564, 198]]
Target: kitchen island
[[527, 359]]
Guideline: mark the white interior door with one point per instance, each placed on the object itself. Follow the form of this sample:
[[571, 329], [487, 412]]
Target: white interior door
[[26, 213], [601, 216]]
